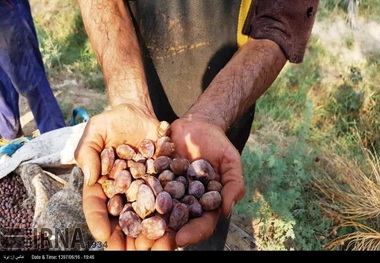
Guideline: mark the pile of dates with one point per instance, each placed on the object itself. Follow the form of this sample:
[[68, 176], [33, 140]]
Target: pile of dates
[[150, 189]]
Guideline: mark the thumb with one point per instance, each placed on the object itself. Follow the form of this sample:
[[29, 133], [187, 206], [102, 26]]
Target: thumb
[[90, 165], [232, 192], [232, 179], [197, 229], [87, 156]]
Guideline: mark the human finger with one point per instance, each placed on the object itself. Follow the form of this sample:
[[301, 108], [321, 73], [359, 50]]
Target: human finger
[[95, 211], [232, 179], [197, 229], [130, 243], [116, 241], [166, 242], [87, 153], [143, 243]]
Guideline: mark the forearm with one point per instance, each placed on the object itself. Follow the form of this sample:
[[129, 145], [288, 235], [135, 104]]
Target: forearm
[[239, 84], [113, 38]]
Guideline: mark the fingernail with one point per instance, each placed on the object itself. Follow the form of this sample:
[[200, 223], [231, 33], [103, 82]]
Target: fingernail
[[87, 174], [232, 208], [181, 248]]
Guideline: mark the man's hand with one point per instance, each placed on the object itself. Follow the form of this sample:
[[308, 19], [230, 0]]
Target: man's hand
[[197, 139], [125, 123]]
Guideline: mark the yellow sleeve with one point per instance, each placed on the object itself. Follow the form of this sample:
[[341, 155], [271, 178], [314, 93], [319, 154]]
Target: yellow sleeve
[[244, 8]]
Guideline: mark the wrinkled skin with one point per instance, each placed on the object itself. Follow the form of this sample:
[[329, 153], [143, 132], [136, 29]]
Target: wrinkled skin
[[193, 140]]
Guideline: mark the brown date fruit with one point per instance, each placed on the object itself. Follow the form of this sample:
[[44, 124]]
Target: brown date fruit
[[137, 169], [145, 201], [131, 192], [151, 189], [176, 189], [153, 227], [107, 158], [164, 147], [183, 179], [196, 188], [110, 189], [153, 183], [161, 163], [147, 148], [130, 223], [201, 170], [210, 200], [164, 202], [125, 151], [150, 168], [118, 165], [166, 176], [214, 185], [123, 180], [179, 215], [195, 208], [179, 165], [115, 205]]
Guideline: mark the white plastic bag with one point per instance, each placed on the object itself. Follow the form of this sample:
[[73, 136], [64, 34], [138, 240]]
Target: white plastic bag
[[53, 148]]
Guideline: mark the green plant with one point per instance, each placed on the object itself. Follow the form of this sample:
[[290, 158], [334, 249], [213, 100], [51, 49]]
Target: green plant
[[286, 98], [51, 51], [373, 64], [349, 42], [370, 9], [62, 38], [278, 197]]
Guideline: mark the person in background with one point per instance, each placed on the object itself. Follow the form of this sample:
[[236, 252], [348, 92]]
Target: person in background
[[22, 73], [201, 66]]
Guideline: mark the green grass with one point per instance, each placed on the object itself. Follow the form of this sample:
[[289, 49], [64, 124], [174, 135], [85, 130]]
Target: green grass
[[64, 42], [277, 171], [369, 9]]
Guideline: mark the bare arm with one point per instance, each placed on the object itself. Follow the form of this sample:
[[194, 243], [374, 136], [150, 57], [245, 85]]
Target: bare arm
[[239, 84], [243, 80], [109, 27]]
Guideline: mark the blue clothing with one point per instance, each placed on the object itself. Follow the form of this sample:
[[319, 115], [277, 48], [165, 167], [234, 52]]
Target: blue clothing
[[13, 146], [22, 73]]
